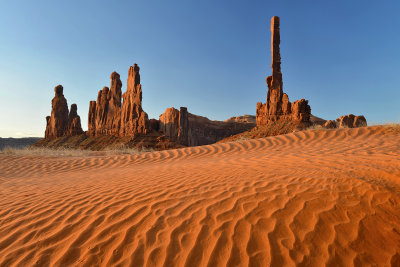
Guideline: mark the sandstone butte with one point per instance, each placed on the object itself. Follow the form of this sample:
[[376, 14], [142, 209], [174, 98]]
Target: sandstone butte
[[121, 115]]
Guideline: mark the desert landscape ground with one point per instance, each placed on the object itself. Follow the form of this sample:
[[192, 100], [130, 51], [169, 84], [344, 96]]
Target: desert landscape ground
[[308, 198]]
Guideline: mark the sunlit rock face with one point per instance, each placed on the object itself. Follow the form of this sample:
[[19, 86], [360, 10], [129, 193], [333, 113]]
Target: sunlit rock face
[[109, 116], [277, 105]]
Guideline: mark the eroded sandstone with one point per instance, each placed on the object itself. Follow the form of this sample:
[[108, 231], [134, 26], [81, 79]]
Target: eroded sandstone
[[277, 105], [62, 122]]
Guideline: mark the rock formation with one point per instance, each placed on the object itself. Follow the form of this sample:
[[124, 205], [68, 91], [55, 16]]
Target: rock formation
[[169, 123], [175, 124], [359, 121], [183, 130], [301, 111], [133, 119], [92, 118], [347, 121], [351, 121], [74, 121], [278, 105], [62, 122], [57, 123], [330, 124], [107, 116], [192, 130], [242, 119]]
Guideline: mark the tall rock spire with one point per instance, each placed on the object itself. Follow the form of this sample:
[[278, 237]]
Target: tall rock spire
[[274, 82], [105, 114], [133, 119], [278, 105], [275, 50], [57, 123]]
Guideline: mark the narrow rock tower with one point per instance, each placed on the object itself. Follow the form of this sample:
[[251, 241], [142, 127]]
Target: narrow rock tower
[[278, 105], [274, 82], [57, 123], [133, 119]]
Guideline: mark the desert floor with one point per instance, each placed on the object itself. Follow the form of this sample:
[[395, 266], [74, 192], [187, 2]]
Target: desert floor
[[312, 198]]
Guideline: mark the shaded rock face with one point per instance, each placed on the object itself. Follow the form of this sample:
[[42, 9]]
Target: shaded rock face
[[74, 121], [301, 111], [57, 123], [154, 125], [330, 124], [62, 122], [105, 115], [192, 130], [278, 105], [108, 116], [359, 121], [183, 130], [92, 118], [169, 123], [47, 133], [351, 121]]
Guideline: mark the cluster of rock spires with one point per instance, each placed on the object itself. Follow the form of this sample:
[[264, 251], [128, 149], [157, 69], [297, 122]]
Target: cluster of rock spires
[[121, 115], [278, 106], [62, 122], [108, 116]]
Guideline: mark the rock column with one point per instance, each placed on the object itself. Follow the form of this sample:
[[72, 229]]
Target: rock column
[[133, 119], [57, 124]]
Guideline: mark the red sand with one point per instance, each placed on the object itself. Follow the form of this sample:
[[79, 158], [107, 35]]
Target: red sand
[[312, 198]]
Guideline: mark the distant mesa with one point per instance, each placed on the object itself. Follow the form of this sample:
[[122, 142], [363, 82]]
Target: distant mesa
[[193, 130], [116, 115]]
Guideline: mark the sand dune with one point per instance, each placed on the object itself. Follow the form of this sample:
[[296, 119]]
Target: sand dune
[[312, 198]]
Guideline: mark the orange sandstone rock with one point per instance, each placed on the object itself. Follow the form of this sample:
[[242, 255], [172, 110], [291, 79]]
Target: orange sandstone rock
[[133, 119], [108, 116], [330, 124], [351, 121], [278, 105], [74, 121], [57, 124], [62, 122]]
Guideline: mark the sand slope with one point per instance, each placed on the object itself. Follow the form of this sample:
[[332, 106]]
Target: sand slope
[[311, 198]]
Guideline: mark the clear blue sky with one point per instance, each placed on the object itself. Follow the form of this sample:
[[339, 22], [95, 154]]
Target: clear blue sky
[[211, 56]]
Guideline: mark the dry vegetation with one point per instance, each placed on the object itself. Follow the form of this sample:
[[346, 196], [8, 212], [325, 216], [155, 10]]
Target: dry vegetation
[[72, 152], [106, 143]]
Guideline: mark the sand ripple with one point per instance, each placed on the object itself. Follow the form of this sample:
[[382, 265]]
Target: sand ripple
[[315, 198]]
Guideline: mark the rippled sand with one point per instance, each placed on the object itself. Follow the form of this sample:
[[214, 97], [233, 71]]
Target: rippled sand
[[313, 198]]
